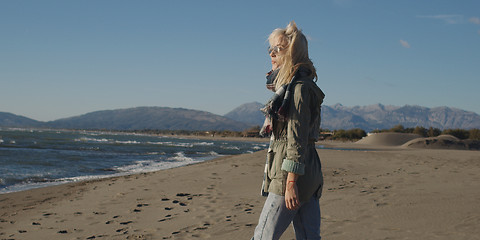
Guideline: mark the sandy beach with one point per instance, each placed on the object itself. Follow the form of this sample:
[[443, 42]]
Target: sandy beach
[[374, 192]]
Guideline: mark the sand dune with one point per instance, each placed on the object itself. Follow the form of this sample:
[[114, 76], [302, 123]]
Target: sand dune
[[407, 140], [388, 139], [443, 142], [397, 194]]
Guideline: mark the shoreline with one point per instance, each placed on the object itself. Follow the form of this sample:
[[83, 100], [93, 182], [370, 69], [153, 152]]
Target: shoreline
[[326, 144], [333, 145]]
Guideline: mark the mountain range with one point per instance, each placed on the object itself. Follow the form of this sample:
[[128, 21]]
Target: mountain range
[[369, 117], [377, 116]]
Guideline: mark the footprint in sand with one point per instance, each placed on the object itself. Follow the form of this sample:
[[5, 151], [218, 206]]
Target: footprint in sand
[[139, 206], [167, 217], [248, 208]]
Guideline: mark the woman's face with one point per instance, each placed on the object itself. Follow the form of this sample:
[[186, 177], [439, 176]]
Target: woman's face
[[276, 50]]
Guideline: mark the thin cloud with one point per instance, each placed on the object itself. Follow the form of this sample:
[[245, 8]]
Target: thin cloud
[[447, 18], [474, 20], [404, 43]]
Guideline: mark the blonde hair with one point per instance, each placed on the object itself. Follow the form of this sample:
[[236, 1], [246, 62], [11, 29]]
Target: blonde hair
[[296, 54]]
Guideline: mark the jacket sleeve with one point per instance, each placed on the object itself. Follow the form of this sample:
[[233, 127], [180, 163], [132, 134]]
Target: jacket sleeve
[[297, 130]]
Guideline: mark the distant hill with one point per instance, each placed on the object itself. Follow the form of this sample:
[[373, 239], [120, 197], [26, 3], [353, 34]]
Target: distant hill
[[12, 120], [150, 118], [138, 118], [380, 116], [248, 113]]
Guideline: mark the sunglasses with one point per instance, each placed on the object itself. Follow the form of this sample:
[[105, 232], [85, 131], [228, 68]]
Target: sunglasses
[[274, 49]]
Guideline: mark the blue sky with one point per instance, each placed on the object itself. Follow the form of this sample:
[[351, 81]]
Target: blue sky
[[65, 58]]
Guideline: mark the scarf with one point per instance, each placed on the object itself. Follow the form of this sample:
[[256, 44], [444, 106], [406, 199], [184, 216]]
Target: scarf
[[277, 107]]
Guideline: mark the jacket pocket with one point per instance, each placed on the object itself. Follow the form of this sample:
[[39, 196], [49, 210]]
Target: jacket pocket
[[270, 168]]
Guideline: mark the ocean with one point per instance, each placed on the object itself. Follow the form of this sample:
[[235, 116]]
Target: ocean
[[32, 158]]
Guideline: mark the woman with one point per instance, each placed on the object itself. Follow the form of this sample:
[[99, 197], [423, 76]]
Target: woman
[[293, 173]]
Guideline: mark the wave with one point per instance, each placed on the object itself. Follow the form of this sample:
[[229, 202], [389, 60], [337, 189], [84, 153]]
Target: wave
[[17, 129], [180, 156], [90, 148], [105, 140], [87, 139], [8, 142], [21, 182], [128, 142], [179, 159], [152, 165], [231, 148], [167, 144], [26, 186], [259, 147], [172, 144], [213, 153], [155, 153], [204, 144]]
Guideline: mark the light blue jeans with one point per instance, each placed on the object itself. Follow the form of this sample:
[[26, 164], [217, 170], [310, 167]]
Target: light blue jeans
[[275, 218]]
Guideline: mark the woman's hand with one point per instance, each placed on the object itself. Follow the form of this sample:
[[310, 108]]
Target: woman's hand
[[291, 196], [291, 192]]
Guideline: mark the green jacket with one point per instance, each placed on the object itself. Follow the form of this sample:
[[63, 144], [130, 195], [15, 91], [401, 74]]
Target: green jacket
[[292, 148]]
